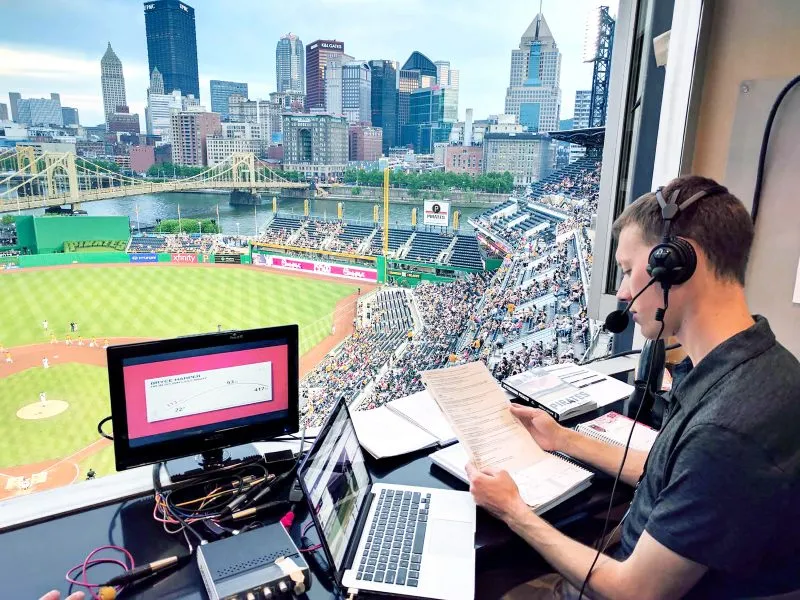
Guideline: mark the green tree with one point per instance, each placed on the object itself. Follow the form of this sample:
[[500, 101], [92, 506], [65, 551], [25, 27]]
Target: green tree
[[187, 226]]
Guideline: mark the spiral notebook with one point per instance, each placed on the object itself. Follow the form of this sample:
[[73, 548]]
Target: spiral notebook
[[490, 436], [614, 428]]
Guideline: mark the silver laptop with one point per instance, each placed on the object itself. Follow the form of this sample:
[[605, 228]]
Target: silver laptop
[[394, 539]]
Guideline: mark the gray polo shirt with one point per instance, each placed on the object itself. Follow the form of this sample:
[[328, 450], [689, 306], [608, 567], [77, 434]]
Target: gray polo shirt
[[722, 481]]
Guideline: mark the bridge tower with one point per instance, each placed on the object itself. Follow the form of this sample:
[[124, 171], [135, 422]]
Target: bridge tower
[[26, 160]]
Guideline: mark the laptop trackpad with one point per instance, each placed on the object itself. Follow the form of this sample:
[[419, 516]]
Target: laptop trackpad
[[449, 538]]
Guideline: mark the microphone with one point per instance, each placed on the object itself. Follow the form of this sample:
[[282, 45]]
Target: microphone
[[617, 320]]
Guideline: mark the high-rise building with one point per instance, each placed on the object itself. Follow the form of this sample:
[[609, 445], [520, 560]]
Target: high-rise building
[[357, 92], [432, 113], [290, 64], [69, 116], [40, 111], [408, 82], [221, 91], [190, 130], [318, 54], [123, 121], [172, 44], [534, 95], [315, 139], [13, 98], [366, 143], [580, 120], [442, 72], [156, 82], [160, 108], [3, 111], [527, 156], [421, 63], [112, 82], [384, 100], [333, 85], [288, 101]]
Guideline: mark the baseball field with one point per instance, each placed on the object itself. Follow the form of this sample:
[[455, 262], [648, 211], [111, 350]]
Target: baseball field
[[50, 443]]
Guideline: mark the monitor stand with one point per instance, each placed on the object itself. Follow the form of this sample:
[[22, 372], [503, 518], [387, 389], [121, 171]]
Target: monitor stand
[[207, 462]]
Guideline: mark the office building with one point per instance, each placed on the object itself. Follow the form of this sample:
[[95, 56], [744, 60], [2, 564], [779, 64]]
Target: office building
[[357, 92], [219, 149], [424, 66], [580, 120], [3, 112], [534, 95], [315, 139], [158, 115], [463, 159], [384, 100], [172, 44], [142, 158], [333, 86], [190, 130], [156, 82], [408, 82], [527, 156], [122, 121], [289, 101], [366, 143], [290, 64], [445, 76], [318, 54], [40, 111], [69, 116], [260, 113], [221, 91], [13, 98], [432, 113], [113, 83]]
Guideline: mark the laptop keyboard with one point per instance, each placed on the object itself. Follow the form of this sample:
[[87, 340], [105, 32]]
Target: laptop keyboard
[[396, 538]]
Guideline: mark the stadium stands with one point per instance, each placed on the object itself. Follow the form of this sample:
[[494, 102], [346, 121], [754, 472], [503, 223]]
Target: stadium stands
[[466, 253], [426, 245], [578, 180]]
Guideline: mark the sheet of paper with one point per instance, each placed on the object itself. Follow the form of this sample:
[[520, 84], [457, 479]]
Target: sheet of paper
[[421, 409], [602, 390], [382, 433], [478, 410]]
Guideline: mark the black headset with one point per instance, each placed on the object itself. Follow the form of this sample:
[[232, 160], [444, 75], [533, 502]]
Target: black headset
[[674, 260]]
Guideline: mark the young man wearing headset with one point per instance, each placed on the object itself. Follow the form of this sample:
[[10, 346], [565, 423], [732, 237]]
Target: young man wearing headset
[[716, 513]]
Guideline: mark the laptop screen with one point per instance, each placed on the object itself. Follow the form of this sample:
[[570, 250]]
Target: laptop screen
[[336, 482]]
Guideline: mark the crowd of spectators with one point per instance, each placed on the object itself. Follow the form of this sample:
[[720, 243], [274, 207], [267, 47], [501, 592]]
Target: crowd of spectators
[[584, 184]]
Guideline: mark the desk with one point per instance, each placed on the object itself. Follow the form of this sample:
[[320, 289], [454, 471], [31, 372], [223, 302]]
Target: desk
[[34, 559]]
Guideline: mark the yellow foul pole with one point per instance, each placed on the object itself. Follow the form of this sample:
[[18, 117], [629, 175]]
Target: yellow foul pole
[[386, 211]]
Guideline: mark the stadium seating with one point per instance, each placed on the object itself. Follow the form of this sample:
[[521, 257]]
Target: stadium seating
[[426, 246], [466, 253], [579, 180]]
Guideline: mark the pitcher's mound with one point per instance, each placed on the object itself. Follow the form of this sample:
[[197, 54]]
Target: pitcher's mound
[[37, 411]]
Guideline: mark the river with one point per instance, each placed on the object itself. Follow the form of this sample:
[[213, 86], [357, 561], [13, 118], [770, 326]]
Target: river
[[243, 219]]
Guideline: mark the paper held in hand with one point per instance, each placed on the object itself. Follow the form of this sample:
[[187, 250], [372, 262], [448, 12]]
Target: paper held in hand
[[479, 412]]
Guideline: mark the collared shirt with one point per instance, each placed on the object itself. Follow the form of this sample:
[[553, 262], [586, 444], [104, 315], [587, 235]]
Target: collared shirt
[[722, 481]]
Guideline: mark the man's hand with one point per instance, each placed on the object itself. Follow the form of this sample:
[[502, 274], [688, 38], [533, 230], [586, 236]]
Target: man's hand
[[495, 491], [545, 431], [56, 595]]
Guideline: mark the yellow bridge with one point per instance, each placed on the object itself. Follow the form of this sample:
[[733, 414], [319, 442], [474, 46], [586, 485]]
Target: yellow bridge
[[56, 178]]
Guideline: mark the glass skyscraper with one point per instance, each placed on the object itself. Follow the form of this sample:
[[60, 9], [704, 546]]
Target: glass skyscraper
[[385, 100], [432, 112], [172, 44], [290, 64], [221, 91]]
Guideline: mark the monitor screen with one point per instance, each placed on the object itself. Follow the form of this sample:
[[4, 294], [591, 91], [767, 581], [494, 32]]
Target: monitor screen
[[177, 397], [336, 482]]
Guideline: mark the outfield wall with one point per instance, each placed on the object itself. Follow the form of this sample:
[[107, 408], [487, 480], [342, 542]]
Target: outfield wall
[[72, 258], [302, 265], [48, 233]]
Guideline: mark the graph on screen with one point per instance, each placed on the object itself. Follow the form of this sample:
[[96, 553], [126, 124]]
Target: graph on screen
[[176, 396]]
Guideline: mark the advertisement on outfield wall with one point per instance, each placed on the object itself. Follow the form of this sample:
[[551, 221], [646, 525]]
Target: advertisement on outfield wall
[[313, 266], [228, 259], [184, 258], [147, 257], [436, 212]]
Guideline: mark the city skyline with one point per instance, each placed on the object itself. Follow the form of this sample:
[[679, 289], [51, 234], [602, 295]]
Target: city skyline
[[478, 41]]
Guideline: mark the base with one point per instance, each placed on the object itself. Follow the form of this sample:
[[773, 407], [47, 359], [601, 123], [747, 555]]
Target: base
[[201, 464]]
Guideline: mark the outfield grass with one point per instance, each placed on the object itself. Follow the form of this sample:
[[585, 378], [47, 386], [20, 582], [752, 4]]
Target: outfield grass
[[155, 302], [102, 462], [22, 441]]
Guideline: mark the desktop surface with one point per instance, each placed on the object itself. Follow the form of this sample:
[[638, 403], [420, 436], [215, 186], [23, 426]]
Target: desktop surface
[[34, 559]]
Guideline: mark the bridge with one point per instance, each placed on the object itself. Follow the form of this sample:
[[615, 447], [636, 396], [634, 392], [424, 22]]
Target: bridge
[[56, 178]]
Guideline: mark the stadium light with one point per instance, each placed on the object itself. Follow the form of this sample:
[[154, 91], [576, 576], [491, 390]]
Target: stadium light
[[591, 35]]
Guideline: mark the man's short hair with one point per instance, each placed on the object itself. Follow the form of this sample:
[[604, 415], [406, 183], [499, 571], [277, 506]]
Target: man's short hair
[[719, 224]]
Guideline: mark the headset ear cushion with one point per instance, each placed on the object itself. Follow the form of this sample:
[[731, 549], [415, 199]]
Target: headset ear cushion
[[672, 262], [685, 254]]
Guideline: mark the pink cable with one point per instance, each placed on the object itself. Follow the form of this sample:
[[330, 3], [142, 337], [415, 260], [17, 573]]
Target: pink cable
[[88, 563]]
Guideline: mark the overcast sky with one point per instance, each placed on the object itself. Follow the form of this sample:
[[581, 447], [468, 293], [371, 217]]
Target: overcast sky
[[56, 45]]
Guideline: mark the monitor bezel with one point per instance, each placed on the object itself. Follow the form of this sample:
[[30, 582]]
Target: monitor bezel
[[127, 457]]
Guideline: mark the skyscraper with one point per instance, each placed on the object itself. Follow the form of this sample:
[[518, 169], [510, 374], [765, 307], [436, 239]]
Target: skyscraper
[[534, 94], [384, 100], [318, 54], [221, 91], [112, 82], [13, 98], [70, 116], [357, 92], [156, 82], [189, 133], [3, 112], [580, 120], [172, 44], [290, 64], [40, 111], [432, 113]]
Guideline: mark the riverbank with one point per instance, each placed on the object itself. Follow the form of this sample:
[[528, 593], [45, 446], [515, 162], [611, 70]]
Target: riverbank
[[403, 196]]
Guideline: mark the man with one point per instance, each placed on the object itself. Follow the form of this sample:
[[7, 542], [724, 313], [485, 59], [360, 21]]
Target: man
[[716, 514]]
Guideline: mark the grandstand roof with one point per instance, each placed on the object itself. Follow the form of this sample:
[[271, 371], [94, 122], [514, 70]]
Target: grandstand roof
[[592, 137]]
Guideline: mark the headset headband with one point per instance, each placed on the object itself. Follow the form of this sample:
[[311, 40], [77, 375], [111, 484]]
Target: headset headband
[[670, 210]]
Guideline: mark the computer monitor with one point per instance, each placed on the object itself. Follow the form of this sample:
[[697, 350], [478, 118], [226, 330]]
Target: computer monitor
[[201, 394]]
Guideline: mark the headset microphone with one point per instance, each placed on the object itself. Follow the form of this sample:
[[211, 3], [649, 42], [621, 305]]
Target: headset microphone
[[617, 321]]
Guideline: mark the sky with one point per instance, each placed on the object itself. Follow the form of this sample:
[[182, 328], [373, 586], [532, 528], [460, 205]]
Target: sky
[[56, 45]]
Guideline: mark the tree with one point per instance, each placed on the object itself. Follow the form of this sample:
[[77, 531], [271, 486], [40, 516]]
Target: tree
[[7, 219], [187, 226], [356, 191]]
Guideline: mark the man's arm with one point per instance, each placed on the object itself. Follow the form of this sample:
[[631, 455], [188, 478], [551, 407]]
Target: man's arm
[[652, 570], [553, 437]]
